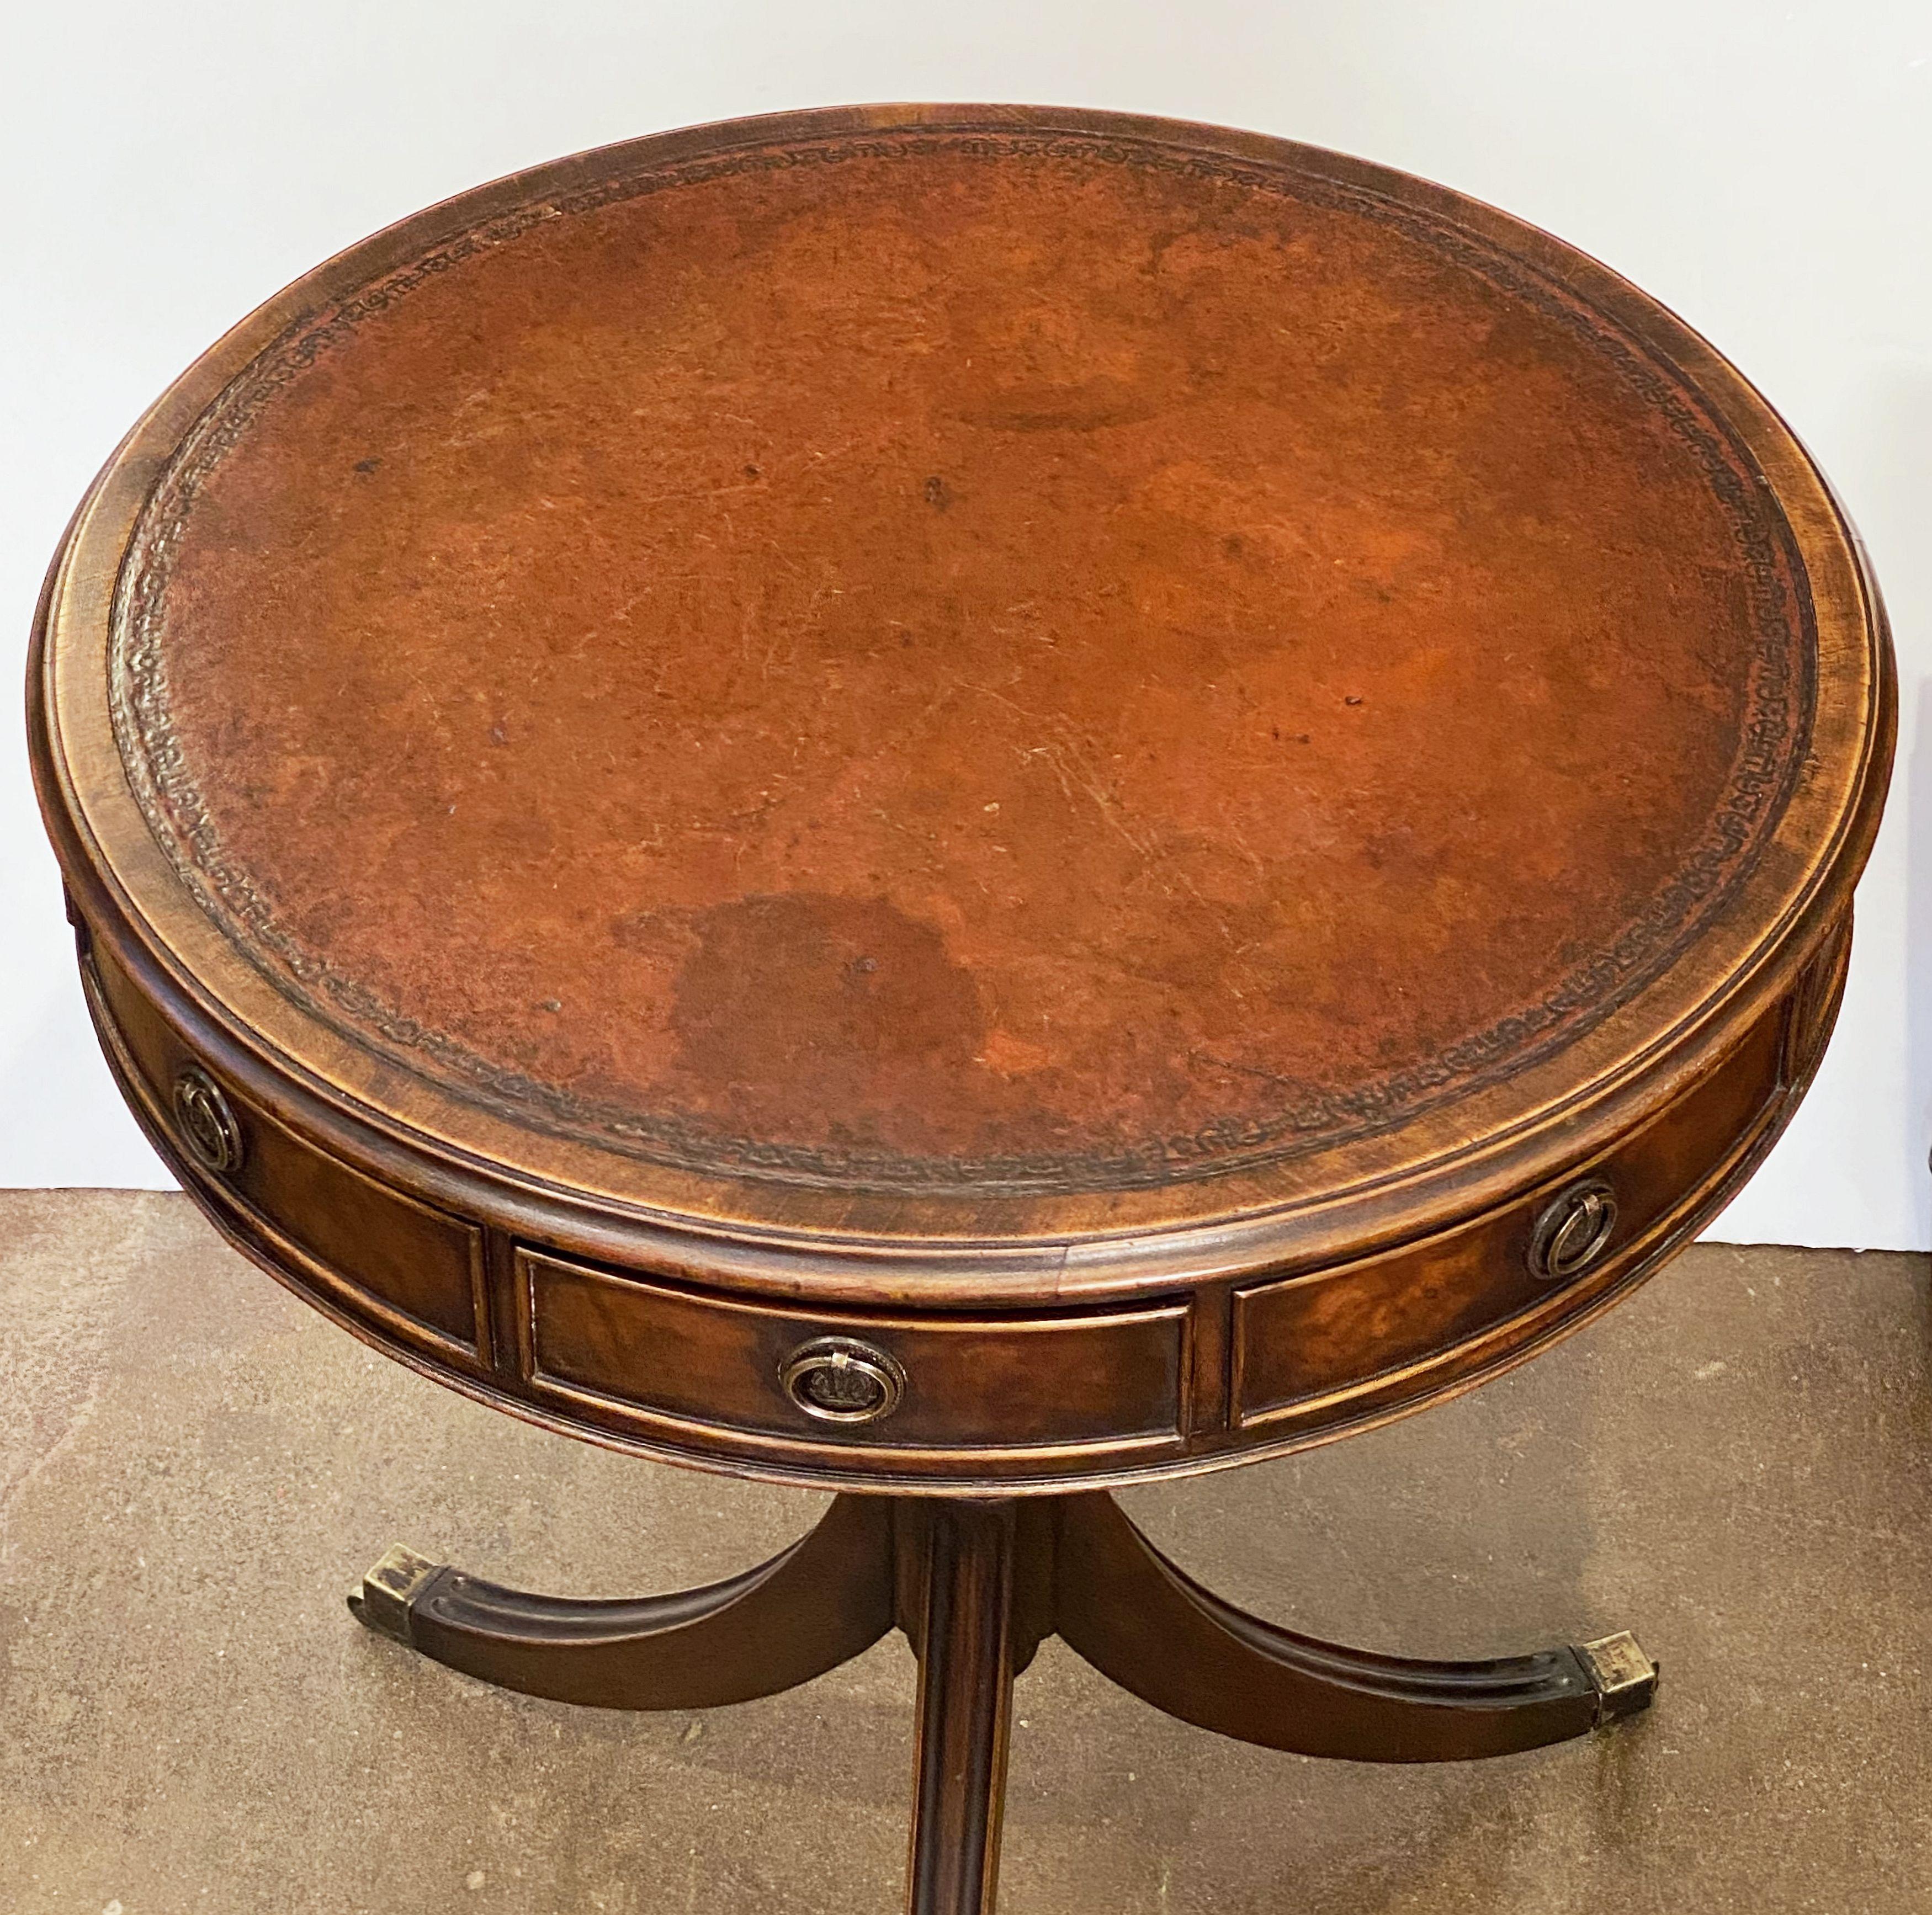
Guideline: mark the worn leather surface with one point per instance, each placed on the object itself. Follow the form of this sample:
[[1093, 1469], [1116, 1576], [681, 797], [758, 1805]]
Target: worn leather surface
[[962, 659]]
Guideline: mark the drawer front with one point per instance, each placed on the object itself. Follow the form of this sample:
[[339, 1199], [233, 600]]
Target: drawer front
[[650, 1355], [401, 1265], [1302, 1343]]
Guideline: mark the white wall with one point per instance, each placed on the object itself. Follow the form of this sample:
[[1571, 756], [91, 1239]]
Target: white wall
[[1765, 168]]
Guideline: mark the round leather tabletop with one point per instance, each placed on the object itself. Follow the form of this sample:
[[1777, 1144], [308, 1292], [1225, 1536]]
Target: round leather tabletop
[[940, 656]]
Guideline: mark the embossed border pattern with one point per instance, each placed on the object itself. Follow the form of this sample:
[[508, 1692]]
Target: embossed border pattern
[[1779, 699]]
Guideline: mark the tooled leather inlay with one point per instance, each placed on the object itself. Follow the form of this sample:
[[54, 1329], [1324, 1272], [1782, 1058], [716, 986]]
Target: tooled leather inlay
[[940, 660]]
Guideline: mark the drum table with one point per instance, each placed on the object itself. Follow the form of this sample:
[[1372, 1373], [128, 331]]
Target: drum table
[[963, 805]]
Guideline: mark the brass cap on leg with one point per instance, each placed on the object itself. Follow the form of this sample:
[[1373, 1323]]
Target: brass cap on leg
[[381, 1600], [1625, 1678]]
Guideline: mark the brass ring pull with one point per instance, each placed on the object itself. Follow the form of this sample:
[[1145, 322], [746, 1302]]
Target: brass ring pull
[[839, 1379], [207, 1125], [1573, 1231]]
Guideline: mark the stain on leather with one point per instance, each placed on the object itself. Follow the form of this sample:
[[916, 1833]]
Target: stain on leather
[[849, 1000]]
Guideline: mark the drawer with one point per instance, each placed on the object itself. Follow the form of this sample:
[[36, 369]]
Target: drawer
[[647, 1355], [402, 1265], [1305, 1340]]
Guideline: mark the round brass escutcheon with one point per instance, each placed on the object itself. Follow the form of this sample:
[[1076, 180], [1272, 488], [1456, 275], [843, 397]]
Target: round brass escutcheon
[[207, 1125], [839, 1379], [1573, 1231]]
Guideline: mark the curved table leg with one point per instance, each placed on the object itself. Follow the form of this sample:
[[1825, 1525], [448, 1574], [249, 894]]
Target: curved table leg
[[822, 1601], [1138, 1620]]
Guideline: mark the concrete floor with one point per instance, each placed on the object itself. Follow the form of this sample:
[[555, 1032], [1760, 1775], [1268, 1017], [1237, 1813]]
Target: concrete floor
[[193, 1467]]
